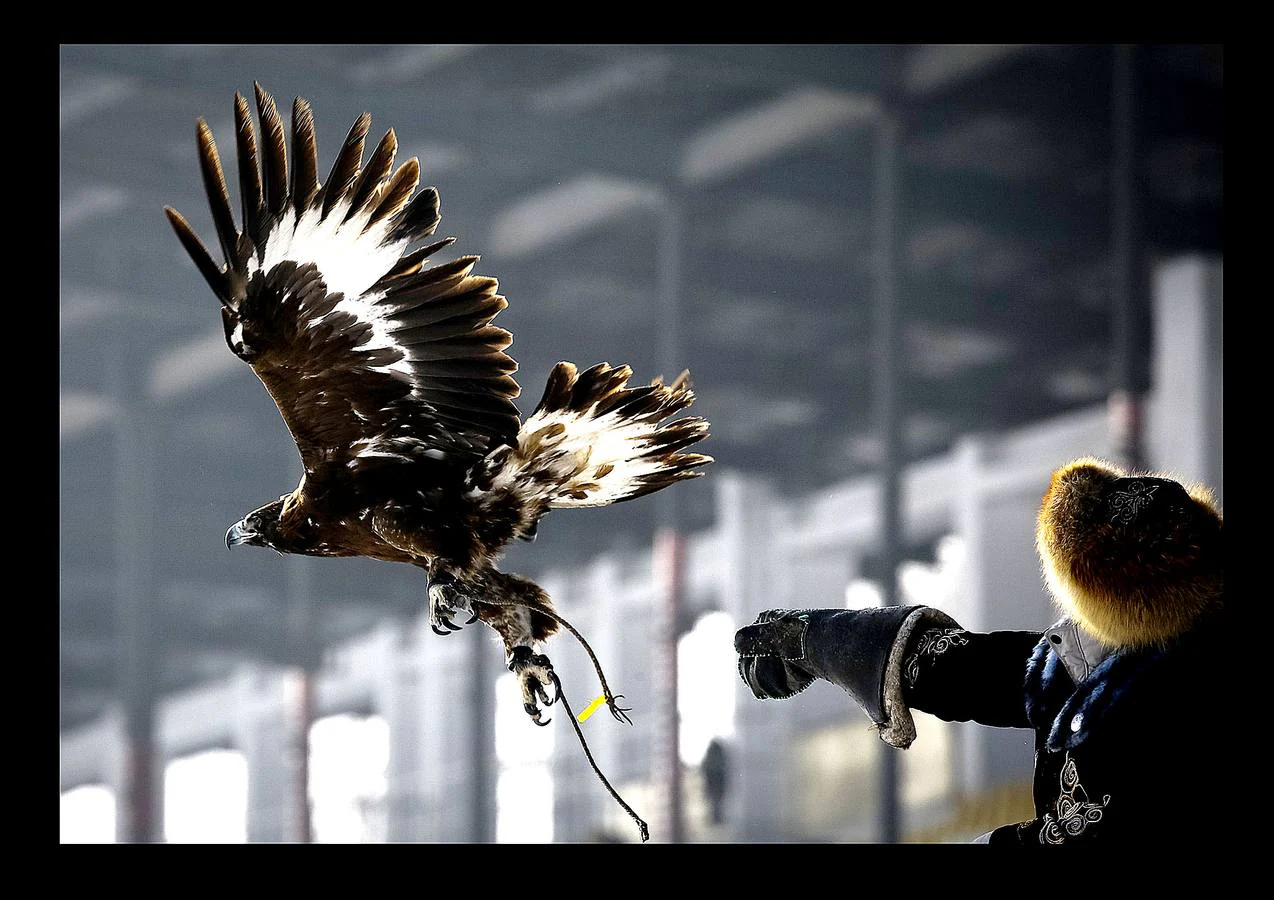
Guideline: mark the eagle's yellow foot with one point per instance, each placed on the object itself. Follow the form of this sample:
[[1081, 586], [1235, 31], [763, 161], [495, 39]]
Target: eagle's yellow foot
[[535, 674], [446, 599]]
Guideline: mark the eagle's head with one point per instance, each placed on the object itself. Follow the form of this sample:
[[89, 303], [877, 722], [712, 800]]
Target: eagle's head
[[261, 528], [1136, 559]]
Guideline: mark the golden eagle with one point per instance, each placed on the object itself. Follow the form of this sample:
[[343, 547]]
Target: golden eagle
[[397, 388]]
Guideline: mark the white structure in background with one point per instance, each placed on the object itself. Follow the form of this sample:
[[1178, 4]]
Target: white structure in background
[[525, 781], [349, 760], [88, 815], [978, 503], [206, 798]]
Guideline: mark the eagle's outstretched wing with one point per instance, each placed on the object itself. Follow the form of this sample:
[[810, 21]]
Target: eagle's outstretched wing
[[370, 357]]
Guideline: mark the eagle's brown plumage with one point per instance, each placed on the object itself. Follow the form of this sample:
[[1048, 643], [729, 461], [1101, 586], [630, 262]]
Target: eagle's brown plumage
[[397, 388]]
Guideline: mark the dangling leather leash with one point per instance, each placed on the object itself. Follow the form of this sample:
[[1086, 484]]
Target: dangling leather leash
[[612, 702], [579, 732]]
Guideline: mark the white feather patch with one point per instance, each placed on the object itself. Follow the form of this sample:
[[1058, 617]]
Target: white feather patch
[[349, 261], [605, 441]]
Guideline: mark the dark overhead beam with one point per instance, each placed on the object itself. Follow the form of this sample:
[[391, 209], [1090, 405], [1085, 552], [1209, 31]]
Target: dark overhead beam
[[1050, 211], [1016, 311], [1017, 387], [932, 70], [1171, 229], [831, 170], [848, 66], [1052, 82], [1180, 102], [837, 286]]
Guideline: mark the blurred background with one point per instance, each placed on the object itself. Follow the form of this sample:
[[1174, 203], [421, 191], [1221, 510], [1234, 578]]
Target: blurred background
[[909, 281]]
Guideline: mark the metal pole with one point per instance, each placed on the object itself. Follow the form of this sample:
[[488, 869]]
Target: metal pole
[[668, 542], [888, 314], [139, 810], [305, 718], [306, 655], [482, 719], [668, 557], [484, 768], [1129, 300]]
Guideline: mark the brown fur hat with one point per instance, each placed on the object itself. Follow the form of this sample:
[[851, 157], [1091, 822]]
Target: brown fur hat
[[1135, 559]]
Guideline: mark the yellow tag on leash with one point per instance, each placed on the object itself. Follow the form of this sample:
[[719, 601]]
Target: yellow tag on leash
[[592, 708]]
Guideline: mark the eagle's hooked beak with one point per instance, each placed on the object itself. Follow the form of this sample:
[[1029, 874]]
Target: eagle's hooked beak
[[239, 534]]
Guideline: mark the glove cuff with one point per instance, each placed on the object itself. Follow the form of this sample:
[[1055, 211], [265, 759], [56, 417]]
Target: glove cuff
[[896, 727]]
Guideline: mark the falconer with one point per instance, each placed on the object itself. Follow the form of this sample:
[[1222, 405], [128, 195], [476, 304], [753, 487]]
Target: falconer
[[1130, 695]]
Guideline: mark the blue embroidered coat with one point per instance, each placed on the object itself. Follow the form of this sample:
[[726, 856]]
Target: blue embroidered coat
[[1136, 752]]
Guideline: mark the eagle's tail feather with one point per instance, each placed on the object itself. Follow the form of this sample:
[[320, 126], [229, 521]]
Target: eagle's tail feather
[[593, 440]]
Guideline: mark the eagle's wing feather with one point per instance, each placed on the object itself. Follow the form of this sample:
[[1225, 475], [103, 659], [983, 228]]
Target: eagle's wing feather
[[366, 352]]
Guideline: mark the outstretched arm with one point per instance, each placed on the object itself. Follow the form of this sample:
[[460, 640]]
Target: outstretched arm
[[963, 676], [890, 660]]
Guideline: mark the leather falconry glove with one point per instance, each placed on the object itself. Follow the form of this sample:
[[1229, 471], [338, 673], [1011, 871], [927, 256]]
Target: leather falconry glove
[[859, 650]]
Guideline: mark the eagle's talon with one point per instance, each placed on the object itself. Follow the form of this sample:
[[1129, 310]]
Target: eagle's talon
[[445, 600], [542, 695], [535, 672], [473, 618]]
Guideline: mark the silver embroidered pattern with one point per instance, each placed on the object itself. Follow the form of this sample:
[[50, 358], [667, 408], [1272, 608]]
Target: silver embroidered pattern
[[934, 642], [1074, 811], [1129, 504]]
